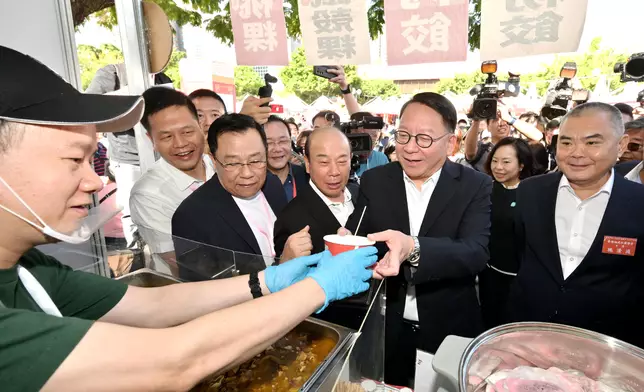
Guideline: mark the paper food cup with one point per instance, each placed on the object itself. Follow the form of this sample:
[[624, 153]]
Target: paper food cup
[[337, 244]]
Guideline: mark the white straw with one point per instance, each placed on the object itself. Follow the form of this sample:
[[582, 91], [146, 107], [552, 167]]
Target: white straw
[[360, 221]]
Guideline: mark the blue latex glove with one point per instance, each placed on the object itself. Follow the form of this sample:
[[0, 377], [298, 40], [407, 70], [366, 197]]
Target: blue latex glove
[[281, 276], [344, 275]]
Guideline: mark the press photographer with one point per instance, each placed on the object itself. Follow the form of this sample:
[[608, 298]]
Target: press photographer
[[488, 107]]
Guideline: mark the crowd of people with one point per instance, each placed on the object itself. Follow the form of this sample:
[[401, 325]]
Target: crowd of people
[[539, 221]]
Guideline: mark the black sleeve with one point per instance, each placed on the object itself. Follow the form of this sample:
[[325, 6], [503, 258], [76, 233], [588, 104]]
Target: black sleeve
[[281, 232], [447, 258]]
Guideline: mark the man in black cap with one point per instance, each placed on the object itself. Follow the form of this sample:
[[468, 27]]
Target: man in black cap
[[65, 330]]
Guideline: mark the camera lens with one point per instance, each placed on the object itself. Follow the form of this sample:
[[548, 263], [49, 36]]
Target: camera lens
[[635, 67]]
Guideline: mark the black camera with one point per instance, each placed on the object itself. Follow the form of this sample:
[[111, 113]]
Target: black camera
[[266, 91], [559, 98], [487, 94], [632, 70], [361, 144]]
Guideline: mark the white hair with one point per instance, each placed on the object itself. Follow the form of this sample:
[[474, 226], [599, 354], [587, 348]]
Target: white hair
[[614, 115]]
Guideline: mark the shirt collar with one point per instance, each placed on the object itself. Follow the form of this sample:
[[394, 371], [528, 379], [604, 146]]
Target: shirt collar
[[606, 188], [431, 180], [635, 173], [329, 203], [181, 179]]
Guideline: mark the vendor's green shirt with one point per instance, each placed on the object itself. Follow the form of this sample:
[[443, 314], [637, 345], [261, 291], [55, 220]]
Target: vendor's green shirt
[[32, 343]]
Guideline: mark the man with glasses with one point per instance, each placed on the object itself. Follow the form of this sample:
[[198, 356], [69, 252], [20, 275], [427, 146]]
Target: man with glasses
[[437, 235], [280, 151], [630, 165], [236, 209]]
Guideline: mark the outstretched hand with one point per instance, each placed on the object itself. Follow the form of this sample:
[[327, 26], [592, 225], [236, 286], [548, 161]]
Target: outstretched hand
[[400, 247]]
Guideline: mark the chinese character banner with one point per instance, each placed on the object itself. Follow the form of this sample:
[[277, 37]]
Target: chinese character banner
[[259, 31], [335, 31], [516, 28], [430, 31]]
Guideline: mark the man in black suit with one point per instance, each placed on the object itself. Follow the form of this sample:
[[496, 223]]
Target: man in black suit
[[235, 210], [280, 151], [322, 207], [434, 216], [578, 232], [325, 203]]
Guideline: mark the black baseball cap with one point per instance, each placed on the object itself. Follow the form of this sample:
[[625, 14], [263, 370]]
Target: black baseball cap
[[32, 93]]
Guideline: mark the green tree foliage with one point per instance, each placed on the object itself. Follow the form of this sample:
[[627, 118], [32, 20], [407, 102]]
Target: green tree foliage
[[372, 88], [93, 58], [299, 79], [590, 65], [247, 81], [191, 11]]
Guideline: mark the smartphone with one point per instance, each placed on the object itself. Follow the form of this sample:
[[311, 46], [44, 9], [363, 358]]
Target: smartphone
[[323, 71]]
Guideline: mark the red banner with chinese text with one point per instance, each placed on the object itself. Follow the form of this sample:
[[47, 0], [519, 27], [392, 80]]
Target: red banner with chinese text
[[426, 32], [259, 31]]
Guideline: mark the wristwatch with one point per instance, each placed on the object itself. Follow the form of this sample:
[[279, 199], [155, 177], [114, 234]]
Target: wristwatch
[[347, 90], [414, 256]]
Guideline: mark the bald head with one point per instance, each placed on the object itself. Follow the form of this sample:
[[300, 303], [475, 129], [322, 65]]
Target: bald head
[[328, 161], [327, 135]]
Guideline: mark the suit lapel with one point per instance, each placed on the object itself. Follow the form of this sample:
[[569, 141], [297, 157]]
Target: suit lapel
[[399, 199], [443, 192], [547, 246], [230, 212]]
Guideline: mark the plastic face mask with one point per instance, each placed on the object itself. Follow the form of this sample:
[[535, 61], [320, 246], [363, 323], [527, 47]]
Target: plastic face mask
[[89, 225]]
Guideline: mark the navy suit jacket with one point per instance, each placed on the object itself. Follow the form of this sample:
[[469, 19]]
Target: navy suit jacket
[[624, 168], [211, 216], [606, 292], [453, 248]]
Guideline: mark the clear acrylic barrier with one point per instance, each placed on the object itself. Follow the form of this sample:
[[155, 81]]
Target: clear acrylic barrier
[[194, 261], [363, 369]]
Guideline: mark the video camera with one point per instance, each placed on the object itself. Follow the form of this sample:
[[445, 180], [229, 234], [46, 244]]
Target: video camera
[[632, 70], [558, 99], [361, 144], [487, 94]]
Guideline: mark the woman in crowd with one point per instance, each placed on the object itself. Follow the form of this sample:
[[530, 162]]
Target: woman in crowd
[[509, 162]]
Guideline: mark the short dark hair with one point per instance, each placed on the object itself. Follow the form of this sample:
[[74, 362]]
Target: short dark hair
[[635, 124], [390, 149], [524, 155], [462, 121], [615, 116], [205, 93], [160, 98], [325, 114], [274, 118], [552, 124], [233, 123], [360, 116], [438, 103], [291, 120], [10, 134], [540, 159], [624, 108]]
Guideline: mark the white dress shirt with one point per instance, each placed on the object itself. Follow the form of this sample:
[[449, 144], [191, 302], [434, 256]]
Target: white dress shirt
[[417, 201], [577, 222], [261, 219], [156, 196], [634, 175], [341, 211]]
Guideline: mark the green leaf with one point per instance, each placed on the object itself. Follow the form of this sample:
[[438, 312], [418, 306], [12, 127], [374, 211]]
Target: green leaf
[[247, 81]]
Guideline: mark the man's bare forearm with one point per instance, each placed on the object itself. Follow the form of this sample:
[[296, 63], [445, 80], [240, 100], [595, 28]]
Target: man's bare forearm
[[352, 103], [135, 359], [530, 131], [471, 140], [176, 304]]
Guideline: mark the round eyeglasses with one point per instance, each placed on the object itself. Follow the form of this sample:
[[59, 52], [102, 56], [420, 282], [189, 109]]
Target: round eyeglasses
[[422, 140]]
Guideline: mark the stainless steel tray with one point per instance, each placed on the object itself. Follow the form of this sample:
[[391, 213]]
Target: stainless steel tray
[[339, 334]]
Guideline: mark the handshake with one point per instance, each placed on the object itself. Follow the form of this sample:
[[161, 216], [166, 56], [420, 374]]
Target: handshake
[[340, 276]]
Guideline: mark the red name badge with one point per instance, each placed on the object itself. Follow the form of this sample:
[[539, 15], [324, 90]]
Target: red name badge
[[619, 246]]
